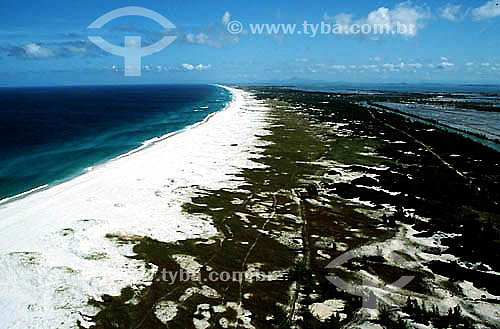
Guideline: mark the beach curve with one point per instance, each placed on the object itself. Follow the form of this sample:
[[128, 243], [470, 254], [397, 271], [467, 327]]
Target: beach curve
[[55, 251]]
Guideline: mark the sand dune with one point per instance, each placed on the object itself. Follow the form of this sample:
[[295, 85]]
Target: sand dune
[[54, 253]]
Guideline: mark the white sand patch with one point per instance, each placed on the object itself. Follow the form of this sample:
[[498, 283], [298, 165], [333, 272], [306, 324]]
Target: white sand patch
[[291, 239], [204, 311], [326, 309], [190, 265], [54, 253], [418, 251], [203, 291], [224, 323], [323, 254], [368, 325], [243, 316], [253, 272], [324, 242], [377, 188], [219, 308], [165, 311]]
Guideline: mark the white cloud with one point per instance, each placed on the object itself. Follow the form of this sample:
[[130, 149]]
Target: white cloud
[[390, 67], [446, 65], [469, 64], [302, 60], [201, 39], [33, 51], [444, 58], [403, 14], [199, 67], [415, 65], [451, 12], [217, 40], [342, 19], [402, 66], [37, 51], [339, 67], [489, 10], [212, 35], [188, 67], [226, 18], [79, 50], [485, 64], [376, 59]]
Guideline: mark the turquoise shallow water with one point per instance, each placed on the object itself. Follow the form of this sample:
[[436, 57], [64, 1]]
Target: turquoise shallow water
[[48, 135]]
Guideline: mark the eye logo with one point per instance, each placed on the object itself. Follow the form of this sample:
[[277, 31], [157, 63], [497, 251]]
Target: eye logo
[[132, 52]]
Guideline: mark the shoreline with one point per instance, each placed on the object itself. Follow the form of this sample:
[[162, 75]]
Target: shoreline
[[146, 144], [278, 185], [66, 231], [336, 179]]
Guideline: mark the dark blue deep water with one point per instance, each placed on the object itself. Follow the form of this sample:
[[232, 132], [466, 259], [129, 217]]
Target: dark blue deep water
[[48, 135]]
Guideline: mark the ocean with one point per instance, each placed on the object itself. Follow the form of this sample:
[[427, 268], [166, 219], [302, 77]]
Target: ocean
[[48, 135]]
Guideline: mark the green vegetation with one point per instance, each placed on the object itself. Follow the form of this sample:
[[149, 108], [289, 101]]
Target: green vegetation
[[291, 218]]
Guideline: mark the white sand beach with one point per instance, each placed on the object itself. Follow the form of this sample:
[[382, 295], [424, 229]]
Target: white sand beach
[[54, 253]]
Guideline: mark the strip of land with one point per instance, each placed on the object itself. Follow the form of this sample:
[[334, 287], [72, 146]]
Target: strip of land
[[403, 198], [58, 247], [277, 187]]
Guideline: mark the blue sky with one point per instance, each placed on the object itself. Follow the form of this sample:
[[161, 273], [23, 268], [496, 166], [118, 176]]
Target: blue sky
[[46, 43]]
